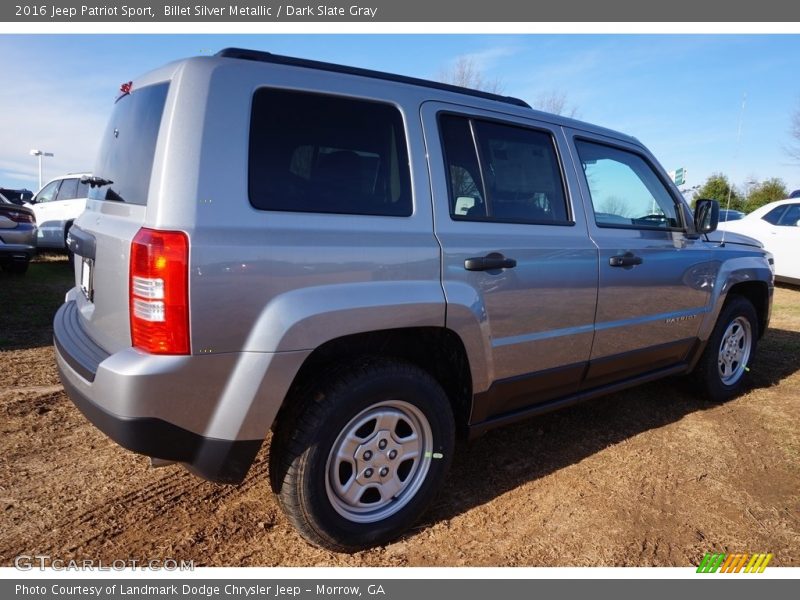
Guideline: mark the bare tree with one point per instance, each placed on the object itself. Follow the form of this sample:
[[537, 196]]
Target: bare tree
[[793, 149], [466, 73], [614, 205], [555, 101]]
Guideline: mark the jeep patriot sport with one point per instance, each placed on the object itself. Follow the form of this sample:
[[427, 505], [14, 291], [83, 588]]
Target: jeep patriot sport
[[370, 264]]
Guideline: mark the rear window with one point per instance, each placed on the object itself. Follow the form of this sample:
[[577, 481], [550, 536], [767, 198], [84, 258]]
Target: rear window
[[327, 154], [128, 146]]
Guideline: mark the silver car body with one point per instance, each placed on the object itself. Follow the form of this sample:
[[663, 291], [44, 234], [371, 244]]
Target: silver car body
[[267, 288]]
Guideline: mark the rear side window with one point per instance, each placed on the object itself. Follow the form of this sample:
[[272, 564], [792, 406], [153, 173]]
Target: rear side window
[[326, 154], [129, 144], [500, 172]]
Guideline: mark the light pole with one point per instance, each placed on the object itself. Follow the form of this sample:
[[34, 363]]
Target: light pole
[[40, 154]]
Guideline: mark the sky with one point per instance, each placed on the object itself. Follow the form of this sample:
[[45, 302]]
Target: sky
[[708, 103]]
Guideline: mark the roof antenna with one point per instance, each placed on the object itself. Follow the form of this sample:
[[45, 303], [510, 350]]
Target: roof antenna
[[735, 159]]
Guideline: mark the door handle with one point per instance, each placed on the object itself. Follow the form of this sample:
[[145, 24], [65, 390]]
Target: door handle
[[492, 261], [629, 259]]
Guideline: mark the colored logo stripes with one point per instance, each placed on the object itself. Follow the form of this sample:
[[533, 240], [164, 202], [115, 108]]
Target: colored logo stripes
[[734, 563]]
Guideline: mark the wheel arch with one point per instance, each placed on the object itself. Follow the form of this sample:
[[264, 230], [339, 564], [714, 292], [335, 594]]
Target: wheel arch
[[437, 350], [758, 294]]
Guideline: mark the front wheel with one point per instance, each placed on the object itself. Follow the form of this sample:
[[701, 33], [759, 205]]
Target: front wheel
[[360, 455], [732, 345]]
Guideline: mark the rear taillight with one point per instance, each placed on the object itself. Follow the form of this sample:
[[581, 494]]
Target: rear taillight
[[159, 291], [21, 217]]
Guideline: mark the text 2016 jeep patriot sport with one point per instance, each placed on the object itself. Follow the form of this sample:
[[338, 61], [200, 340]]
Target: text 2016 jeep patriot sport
[[368, 264]]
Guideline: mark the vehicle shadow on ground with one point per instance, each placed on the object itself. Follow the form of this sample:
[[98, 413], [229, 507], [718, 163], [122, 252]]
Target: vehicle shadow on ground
[[507, 458], [29, 302]]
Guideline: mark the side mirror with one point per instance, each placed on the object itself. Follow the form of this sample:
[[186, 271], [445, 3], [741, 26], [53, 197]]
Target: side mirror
[[706, 215]]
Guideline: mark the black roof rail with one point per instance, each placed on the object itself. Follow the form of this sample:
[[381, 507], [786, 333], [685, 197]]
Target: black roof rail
[[260, 56]]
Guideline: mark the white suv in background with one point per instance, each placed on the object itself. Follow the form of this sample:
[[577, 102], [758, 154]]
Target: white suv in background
[[56, 206]]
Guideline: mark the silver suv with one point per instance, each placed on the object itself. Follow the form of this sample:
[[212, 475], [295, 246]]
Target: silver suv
[[370, 264]]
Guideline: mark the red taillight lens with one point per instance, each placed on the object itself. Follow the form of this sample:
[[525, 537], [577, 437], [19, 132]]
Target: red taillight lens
[[159, 291], [21, 217]]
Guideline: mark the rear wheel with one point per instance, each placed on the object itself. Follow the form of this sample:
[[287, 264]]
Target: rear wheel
[[360, 455], [723, 367]]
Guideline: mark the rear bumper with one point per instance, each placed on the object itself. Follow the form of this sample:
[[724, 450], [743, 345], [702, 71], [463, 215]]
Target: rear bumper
[[18, 243], [142, 401], [17, 252], [220, 461]]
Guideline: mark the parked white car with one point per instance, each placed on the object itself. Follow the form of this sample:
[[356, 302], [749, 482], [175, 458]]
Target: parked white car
[[56, 206], [777, 226]]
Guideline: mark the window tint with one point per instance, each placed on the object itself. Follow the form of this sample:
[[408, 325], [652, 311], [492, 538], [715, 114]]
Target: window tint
[[501, 172], [68, 189], [317, 153], [48, 192], [791, 216], [775, 214], [129, 144], [466, 186], [625, 190], [83, 190]]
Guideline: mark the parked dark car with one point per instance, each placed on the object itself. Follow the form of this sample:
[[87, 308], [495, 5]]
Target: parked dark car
[[795, 194], [729, 215], [17, 236], [17, 196]]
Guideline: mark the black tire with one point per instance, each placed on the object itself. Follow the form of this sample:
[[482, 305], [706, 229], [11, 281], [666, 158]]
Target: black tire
[[708, 372], [16, 267], [327, 414]]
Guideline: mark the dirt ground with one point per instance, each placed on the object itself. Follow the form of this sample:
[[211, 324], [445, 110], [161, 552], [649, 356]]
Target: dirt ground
[[652, 476]]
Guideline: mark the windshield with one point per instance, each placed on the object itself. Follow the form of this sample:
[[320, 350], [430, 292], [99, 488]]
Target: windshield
[[128, 146]]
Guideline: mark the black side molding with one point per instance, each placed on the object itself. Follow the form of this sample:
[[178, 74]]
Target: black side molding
[[478, 429]]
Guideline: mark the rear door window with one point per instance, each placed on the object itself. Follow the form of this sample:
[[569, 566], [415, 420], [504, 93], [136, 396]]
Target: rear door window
[[327, 154], [502, 172], [68, 189], [791, 217]]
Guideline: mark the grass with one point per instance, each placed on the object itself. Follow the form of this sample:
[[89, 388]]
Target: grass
[[785, 305], [30, 301]]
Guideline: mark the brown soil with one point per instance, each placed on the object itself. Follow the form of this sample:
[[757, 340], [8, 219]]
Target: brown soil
[[652, 476]]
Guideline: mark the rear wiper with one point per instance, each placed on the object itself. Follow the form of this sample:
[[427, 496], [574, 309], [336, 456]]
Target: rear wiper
[[95, 181]]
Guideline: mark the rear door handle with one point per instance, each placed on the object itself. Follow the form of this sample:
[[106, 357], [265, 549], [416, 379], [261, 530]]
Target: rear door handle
[[629, 259], [490, 262]]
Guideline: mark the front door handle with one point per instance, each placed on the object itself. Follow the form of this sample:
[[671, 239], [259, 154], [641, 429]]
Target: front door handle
[[490, 262], [629, 259]]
